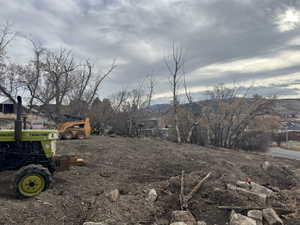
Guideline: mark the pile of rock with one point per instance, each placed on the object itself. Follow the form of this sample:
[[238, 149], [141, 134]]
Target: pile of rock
[[256, 217], [260, 196], [253, 191], [260, 214]]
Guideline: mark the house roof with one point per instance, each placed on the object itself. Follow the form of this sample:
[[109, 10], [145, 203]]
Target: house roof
[[290, 125], [6, 101], [2, 98], [294, 125]]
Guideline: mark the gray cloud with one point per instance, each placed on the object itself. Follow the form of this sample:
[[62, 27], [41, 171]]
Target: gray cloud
[[139, 32]]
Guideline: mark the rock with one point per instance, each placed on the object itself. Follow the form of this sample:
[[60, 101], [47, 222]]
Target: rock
[[125, 189], [152, 195], [266, 165], [201, 223], [183, 216], [256, 215], [254, 187], [112, 221], [231, 187], [162, 221], [178, 223], [271, 217], [94, 223], [238, 219], [114, 195], [260, 199], [297, 172]]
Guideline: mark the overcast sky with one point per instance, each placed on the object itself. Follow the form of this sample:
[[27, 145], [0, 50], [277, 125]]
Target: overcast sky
[[245, 42]]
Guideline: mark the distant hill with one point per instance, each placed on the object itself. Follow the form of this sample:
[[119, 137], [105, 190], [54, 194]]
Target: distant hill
[[159, 108], [282, 106], [287, 106]]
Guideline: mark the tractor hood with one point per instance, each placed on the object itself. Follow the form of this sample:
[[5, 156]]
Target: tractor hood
[[29, 135]]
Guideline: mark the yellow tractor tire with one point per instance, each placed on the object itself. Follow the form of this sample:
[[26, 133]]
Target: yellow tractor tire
[[31, 180]]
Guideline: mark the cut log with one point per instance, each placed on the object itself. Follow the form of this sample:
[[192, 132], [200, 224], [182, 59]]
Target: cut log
[[260, 199], [184, 199], [197, 187], [183, 204], [271, 217], [254, 187]]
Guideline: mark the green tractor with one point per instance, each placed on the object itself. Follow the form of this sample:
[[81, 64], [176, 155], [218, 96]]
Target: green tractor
[[32, 154]]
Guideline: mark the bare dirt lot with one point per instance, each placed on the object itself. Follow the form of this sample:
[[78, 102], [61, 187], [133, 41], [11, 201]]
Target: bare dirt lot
[[134, 166]]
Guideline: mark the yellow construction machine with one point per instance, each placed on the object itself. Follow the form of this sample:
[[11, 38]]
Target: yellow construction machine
[[75, 129]]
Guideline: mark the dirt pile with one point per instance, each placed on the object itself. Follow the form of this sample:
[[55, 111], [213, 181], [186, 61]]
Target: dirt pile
[[134, 167]]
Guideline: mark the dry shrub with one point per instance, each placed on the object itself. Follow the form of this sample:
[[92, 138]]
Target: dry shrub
[[255, 141]]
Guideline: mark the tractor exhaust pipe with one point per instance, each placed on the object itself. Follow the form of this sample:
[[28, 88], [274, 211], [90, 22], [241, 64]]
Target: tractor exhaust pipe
[[18, 122]]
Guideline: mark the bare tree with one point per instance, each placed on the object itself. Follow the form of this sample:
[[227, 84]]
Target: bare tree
[[174, 64], [190, 101], [88, 82], [129, 107], [83, 79], [31, 74], [150, 88], [98, 79], [186, 90], [118, 100], [228, 115], [58, 79], [7, 94], [6, 36], [35, 78]]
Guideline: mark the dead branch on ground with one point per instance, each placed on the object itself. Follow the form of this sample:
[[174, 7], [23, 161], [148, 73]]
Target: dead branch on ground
[[184, 199]]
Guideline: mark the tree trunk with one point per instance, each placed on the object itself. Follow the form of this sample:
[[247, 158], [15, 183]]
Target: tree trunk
[[189, 137], [177, 129]]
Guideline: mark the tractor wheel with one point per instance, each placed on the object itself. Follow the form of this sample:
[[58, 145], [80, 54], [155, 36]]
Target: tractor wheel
[[31, 180], [80, 135], [67, 135]]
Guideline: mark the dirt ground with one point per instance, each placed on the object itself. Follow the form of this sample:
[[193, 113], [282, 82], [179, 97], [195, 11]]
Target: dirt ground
[[134, 166]]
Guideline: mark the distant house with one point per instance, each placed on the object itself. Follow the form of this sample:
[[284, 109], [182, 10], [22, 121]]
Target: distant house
[[292, 128], [32, 118], [7, 107]]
